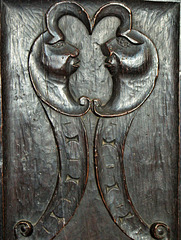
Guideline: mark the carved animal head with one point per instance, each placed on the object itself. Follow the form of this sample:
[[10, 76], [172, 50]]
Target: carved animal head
[[52, 60], [60, 58], [132, 60], [125, 57]]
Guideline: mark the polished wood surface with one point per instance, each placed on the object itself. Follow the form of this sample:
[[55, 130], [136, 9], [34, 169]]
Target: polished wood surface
[[90, 112]]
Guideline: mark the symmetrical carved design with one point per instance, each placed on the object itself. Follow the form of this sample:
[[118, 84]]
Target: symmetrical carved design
[[132, 61]]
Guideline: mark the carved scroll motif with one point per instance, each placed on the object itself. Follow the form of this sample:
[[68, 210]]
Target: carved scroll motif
[[132, 61], [72, 175], [110, 141], [109, 154], [52, 60]]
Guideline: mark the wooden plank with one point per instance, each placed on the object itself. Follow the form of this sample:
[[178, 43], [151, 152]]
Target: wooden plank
[[33, 129]]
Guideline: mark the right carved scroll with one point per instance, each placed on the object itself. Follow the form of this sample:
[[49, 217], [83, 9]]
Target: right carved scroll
[[132, 61]]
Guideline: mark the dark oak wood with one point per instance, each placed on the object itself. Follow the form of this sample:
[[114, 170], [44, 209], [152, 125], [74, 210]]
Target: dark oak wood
[[90, 112]]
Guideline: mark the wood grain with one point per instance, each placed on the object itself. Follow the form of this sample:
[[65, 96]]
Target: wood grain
[[151, 151]]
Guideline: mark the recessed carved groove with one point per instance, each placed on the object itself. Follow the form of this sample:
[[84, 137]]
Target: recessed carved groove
[[59, 220], [108, 142], [110, 166], [74, 160], [67, 200], [46, 230], [74, 180], [111, 188], [76, 139], [127, 216]]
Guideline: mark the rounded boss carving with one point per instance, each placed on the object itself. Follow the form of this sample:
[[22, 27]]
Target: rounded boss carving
[[160, 231], [23, 228]]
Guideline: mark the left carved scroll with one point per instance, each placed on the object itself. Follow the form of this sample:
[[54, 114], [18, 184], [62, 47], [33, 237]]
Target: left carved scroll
[[52, 60]]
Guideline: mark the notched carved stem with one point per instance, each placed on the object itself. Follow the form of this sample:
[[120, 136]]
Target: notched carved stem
[[111, 179]]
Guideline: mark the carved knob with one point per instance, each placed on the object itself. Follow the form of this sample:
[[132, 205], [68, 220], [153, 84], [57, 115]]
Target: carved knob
[[159, 231], [24, 228]]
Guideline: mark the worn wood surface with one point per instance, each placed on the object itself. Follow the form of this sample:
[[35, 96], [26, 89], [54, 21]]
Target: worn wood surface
[[49, 156]]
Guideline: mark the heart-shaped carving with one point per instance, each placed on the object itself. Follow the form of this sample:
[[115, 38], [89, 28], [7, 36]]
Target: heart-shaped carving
[[132, 61]]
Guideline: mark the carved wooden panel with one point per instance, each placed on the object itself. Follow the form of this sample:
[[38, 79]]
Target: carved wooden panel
[[90, 102]]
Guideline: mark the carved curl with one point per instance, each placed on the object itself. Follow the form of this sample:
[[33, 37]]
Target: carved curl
[[118, 10], [23, 228], [61, 9]]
